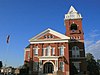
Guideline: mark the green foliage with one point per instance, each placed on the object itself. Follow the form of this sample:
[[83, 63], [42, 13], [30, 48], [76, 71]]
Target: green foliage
[[89, 57], [25, 69], [92, 66], [73, 69]]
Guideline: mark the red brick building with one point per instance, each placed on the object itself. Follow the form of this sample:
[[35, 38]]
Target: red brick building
[[52, 51]]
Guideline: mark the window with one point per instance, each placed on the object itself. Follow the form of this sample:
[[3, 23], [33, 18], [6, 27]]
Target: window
[[75, 51], [78, 37], [45, 37], [48, 52], [62, 66], [77, 65], [43, 52], [73, 27], [28, 55], [36, 50], [53, 51], [48, 36], [61, 50], [52, 36], [72, 38], [72, 15]]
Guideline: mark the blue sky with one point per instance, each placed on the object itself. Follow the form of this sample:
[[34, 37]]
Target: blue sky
[[23, 19]]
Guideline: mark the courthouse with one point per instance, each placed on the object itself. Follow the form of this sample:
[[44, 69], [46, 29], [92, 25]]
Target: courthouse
[[52, 51]]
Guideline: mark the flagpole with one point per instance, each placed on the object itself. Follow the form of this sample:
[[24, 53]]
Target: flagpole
[[7, 41], [6, 54], [7, 49]]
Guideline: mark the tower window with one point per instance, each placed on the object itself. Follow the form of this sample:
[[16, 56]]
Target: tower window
[[75, 51], [77, 65], [78, 37], [73, 27]]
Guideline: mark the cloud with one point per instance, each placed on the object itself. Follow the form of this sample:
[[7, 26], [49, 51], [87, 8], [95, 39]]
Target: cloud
[[94, 33], [87, 42], [92, 43], [94, 48]]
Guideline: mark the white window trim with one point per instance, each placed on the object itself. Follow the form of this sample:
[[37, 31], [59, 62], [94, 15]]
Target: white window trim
[[63, 66], [63, 50], [44, 51], [75, 53], [48, 52], [36, 49], [53, 51]]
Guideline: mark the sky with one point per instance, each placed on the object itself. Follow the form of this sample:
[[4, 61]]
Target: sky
[[23, 19]]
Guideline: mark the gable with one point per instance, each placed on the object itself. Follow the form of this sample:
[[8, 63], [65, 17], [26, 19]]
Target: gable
[[49, 34]]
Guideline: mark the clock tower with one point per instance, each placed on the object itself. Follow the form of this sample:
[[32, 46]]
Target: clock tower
[[73, 24]]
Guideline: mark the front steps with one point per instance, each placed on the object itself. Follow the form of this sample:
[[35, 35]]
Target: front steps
[[48, 74]]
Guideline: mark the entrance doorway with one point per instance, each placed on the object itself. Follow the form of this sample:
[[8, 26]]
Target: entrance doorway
[[48, 67]]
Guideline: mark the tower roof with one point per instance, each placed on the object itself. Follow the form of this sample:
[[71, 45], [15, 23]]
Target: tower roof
[[72, 14], [72, 9]]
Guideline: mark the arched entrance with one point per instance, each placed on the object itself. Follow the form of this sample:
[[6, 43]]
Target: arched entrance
[[48, 67]]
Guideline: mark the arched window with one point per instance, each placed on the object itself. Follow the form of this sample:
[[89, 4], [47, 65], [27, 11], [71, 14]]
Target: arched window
[[73, 27], [62, 66], [75, 51]]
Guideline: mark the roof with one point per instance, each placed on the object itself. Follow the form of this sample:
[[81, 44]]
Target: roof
[[72, 14], [27, 46], [61, 36], [72, 9]]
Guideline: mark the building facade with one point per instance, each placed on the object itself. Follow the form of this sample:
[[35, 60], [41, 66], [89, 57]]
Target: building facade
[[51, 51]]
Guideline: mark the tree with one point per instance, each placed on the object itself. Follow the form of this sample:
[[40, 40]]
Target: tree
[[73, 69], [92, 66], [24, 69], [0, 64]]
